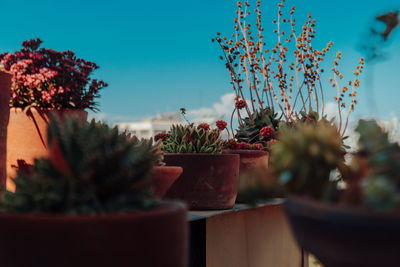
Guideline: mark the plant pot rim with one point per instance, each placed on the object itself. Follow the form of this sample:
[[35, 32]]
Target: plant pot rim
[[245, 151], [327, 211], [163, 208], [201, 154], [168, 167]]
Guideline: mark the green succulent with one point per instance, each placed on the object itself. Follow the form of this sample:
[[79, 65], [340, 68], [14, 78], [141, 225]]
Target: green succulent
[[249, 130], [190, 139], [380, 188], [306, 155], [91, 168]]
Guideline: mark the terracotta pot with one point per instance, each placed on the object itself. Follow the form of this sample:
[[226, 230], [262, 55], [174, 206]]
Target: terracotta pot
[[151, 238], [163, 178], [344, 237], [5, 94], [208, 181], [27, 137], [249, 160]]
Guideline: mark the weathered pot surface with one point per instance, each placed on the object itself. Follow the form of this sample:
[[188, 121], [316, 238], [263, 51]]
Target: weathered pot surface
[[208, 181], [162, 179], [341, 236], [152, 238], [249, 160], [5, 94], [27, 136]]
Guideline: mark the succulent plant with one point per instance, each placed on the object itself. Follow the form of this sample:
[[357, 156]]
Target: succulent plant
[[191, 139], [91, 168], [376, 168], [250, 130], [306, 155]]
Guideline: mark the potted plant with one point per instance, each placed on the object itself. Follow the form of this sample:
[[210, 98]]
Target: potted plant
[[209, 178], [87, 204], [43, 81], [285, 77], [346, 215]]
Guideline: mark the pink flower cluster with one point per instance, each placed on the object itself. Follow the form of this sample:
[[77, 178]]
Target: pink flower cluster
[[46, 78]]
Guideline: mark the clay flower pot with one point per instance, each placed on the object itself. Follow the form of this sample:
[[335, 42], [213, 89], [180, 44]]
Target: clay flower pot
[[162, 179], [345, 237], [5, 94], [249, 160], [208, 181], [150, 238], [27, 137]]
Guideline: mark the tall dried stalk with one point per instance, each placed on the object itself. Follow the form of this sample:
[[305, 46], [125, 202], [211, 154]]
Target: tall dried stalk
[[276, 77]]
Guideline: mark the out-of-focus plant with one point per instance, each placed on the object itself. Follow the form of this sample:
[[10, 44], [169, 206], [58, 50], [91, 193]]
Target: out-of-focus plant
[[309, 161], [45, 78], [285, 77], [91, 168]]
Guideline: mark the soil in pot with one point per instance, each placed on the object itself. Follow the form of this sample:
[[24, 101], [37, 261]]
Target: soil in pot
[[208, 181], [249, 160], [27, 137], [345, 237], [151, 238]]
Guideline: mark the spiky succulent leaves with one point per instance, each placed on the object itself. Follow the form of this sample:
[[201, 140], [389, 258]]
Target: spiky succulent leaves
[[249, 132], [305, 156], [190, 139], [381, 185], [92, 168]]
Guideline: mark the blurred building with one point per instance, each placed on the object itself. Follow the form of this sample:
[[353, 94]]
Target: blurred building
[[152, 126], [162, 123]]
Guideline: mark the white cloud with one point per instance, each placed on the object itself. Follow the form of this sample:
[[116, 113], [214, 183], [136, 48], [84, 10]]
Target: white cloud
[[219, 110]]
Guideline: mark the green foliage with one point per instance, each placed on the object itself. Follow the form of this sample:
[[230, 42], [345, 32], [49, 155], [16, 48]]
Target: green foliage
[[305, 156], [249, 130], [380, 188], [190, 139], [92, 168]]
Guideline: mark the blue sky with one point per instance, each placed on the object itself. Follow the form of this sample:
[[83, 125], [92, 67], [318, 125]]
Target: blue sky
[[157, 55]]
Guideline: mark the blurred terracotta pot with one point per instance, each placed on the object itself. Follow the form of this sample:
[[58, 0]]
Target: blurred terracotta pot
[[208, 181], [150, 238], [27, 136], [163, 178], [5, 94], [345, 237], [249, 160]]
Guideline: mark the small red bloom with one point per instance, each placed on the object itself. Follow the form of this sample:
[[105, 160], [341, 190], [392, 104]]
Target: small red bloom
[[204, 126], [240, 104], [161, 136], [267, 132], [221, 125]]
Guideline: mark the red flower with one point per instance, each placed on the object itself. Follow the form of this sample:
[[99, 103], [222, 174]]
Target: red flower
[[161, 136], [240, 104], [204, 126], [221, 125], [267, 132]]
